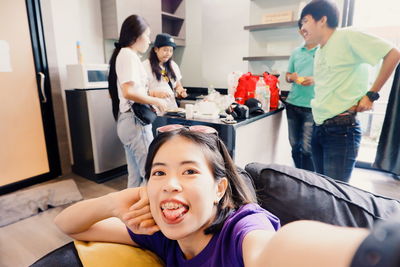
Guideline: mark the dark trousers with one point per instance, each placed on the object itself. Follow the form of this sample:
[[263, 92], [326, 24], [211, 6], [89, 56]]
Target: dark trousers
[[335, 146], [300, 124]]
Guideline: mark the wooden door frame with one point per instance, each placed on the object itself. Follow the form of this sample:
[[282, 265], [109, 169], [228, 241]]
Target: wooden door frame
[[49, 126]]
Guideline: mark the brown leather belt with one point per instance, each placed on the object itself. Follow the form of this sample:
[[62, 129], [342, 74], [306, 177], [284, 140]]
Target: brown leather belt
[[345, 118]]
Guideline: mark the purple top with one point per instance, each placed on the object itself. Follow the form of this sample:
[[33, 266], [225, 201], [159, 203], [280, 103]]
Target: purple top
[[224, 248]]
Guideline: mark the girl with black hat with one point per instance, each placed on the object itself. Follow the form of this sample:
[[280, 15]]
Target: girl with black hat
[[163, 73]]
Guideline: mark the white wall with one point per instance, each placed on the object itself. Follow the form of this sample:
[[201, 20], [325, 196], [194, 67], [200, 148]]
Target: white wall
[[65, 22], [215, 41], [190, 57]]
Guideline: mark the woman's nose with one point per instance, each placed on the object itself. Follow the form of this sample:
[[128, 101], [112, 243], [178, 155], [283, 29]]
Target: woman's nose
[[172, 184]]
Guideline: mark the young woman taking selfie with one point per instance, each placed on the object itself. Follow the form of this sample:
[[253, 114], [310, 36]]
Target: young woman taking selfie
[[197, 211]]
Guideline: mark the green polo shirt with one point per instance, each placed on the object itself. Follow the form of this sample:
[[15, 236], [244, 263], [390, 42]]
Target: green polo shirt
[[341, 71], [302, 62]]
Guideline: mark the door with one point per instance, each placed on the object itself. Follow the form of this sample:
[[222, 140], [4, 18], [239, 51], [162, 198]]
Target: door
[[387, 26], [28, 144]]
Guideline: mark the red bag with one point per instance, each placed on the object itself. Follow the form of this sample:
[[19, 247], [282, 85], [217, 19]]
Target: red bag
[[273, 83], [246, 87]]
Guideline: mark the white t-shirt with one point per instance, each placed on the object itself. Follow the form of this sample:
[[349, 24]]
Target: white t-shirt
[[163, 85], [129, 68]]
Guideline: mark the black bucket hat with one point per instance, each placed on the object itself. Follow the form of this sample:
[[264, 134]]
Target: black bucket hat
[[164, 39]]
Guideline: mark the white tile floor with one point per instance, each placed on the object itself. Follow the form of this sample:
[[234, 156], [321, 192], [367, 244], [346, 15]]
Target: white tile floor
[[377, 182]]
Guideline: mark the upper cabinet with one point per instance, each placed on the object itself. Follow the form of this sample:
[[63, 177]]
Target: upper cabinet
[[173, 19], [166, 16], [273, 29], [268, 26], [277, 48]]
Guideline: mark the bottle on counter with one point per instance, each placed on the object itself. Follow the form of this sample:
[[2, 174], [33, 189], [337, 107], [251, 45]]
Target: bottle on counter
[[79, 52], [211, 89], [267, 99], [263, 94]]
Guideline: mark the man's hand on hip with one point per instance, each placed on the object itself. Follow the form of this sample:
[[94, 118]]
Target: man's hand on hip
[[364, 104]]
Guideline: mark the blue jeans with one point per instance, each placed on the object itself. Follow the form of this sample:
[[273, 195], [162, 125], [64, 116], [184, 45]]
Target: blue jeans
[[335, 149], [136, 139], [300, 124]]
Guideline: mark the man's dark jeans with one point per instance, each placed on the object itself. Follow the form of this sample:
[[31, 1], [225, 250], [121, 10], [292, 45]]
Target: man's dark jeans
[[335, 146], [300, 124]]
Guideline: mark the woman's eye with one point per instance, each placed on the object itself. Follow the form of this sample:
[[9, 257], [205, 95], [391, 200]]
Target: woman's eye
[[158, 173], [190, 172]]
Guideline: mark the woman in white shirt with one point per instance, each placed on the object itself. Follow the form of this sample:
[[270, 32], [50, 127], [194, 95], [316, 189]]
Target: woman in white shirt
[[163, 73], [127, 84]]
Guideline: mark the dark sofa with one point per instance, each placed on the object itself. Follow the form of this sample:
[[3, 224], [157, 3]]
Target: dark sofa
[[289, 193], [293, 194]]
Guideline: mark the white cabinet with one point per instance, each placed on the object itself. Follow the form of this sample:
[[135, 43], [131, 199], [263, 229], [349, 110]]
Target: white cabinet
[[173, 19], [167, 16], [272, 41], [114, 12], [271, 44]]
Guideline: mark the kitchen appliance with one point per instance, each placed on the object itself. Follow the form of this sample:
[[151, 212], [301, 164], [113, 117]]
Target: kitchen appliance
[[97, 151], [86, 76]]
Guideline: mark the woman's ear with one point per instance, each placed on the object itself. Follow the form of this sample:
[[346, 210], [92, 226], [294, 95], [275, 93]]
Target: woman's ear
[[221, 187]]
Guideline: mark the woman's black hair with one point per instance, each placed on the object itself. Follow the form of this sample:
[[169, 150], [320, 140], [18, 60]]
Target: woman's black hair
[[320, 8], [237, 192], [132, 28], [156, 69]]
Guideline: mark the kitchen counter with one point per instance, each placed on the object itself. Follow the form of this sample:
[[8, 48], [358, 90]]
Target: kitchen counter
[[254, 139]]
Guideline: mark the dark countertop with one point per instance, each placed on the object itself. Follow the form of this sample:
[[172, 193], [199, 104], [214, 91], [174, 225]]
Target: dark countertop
[[195, 92], [227, 132], [184, 121]]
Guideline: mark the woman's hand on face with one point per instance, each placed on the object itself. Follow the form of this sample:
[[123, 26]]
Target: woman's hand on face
[[121, 201], [138, 217]]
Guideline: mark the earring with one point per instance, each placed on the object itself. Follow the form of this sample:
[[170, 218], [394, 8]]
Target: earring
[[216, 202]]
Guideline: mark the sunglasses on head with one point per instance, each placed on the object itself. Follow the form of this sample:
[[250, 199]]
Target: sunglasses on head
[[193, 128]]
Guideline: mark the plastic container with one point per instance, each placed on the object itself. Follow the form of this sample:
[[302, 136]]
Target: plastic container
[[263, 94], [210, 89], [79, 52], [267, 96]]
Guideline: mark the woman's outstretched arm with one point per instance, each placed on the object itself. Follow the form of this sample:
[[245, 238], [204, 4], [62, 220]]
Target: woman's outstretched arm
[[105, 218], [309, 244]]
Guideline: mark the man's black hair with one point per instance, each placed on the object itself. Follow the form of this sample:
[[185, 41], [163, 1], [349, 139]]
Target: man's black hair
[[320, 8]]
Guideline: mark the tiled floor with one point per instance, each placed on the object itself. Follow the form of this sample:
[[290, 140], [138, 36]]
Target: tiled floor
[[377, 182], [25, 241]]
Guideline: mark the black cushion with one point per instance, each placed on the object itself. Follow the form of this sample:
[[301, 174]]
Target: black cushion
[[65, 256], [294, 194], [247, 179]]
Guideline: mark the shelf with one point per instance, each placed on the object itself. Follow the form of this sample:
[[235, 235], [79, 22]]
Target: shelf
[[172, 26], [280, 25], [261, 58], [166, 15], [173, 19], [170, 6]]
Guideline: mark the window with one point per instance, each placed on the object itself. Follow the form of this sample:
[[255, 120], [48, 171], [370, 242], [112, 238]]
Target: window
[[381, 19]]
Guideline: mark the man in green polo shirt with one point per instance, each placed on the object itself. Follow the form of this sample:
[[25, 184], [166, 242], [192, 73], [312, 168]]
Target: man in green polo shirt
[[341, 85], [298, 109]]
